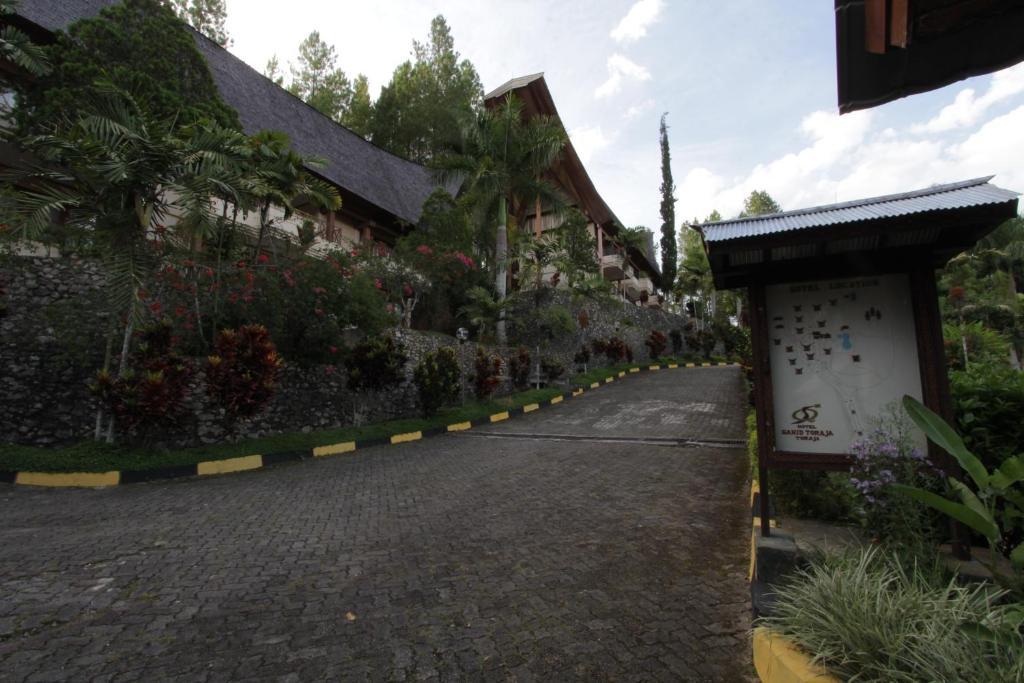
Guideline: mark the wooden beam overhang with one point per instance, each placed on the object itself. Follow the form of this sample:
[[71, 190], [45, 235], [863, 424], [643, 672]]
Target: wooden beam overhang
[[888, 49]]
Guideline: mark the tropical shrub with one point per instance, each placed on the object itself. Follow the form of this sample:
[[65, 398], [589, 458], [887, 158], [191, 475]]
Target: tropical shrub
[[994, 509], [736, 341], [704, 340], [582, 356], [519, 368], [375, 364], [868, 616], [241, 372], [825, 496], [617, 350], [989, 404], [551, 369], [677, 341], [984, 346], [152, 390], [437, 379], [656, 343], [488, 374]]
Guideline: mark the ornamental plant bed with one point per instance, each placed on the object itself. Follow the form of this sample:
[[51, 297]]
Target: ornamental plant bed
[[97, 457]]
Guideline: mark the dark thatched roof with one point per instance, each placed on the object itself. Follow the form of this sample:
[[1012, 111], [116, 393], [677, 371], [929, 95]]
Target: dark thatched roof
[[396, 185]]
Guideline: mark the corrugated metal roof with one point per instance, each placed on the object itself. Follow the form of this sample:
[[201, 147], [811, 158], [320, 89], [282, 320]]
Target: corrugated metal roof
[[976, 192]]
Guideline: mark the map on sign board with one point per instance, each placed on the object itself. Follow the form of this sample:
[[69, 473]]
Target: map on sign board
[[841, 351]]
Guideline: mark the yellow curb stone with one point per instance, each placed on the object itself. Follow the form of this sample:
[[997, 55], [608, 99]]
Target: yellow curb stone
[[654, 367], [673, 366], [530, 407], [247, 462], [70, 479], [334, 449], [557, 399], [460, 426], [407, 437], [498, 417], [595, 385], [778, 661]]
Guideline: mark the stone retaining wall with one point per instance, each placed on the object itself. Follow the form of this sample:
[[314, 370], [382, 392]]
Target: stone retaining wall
[[52, 330]]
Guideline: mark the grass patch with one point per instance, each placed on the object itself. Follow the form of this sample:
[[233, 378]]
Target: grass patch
[[585, 379], [90, 456]]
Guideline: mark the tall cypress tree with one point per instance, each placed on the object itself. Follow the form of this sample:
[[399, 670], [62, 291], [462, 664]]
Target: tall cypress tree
[[669, 252]]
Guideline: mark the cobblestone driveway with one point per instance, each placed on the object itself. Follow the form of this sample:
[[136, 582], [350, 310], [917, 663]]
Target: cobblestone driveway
[[458, 558]]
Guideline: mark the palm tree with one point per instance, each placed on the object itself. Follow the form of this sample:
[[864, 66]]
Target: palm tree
[[117, 177], [18, 49], [482, 310], [504, 159], [278, 176]]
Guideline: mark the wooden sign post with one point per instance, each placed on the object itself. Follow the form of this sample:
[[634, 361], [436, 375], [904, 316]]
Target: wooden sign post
[[844, 314]]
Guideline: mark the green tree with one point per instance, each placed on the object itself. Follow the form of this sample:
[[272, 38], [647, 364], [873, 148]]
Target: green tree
[[141, 47], [273, 71], [423, 109], [318, 81], [118, 176], [359, 115], [759, 203], [576, 255], [206, 16], [669, 250], [504, 160]]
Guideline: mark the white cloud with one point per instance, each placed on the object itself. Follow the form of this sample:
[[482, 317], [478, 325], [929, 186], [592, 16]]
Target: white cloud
[[634, 25], [589, 140], [638, 109], [621, 68], [967, 109], [846, 159], [796, 179]]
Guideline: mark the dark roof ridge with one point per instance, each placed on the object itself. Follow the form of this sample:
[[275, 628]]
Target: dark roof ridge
[[881, 199], [508, 86], [214, 44]]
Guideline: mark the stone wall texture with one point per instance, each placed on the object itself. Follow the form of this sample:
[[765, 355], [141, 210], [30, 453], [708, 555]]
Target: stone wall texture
[[52, 331]]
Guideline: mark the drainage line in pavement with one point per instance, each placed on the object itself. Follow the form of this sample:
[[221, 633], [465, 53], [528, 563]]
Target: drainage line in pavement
[[653, 440]]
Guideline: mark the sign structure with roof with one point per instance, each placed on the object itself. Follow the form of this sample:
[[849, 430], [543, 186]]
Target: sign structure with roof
[[844, 312]]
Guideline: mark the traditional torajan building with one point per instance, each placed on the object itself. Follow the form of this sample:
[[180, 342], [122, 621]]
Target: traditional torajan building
[[382, 194], [634, 271]]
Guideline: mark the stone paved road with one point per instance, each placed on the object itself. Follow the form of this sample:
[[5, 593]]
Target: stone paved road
[[457, 558]]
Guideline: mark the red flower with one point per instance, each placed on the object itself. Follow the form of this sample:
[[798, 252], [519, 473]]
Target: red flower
[[334, 349], [378, 284], [241, 264], [179, 311], [319, 290], [319, 311], [425, 250], [155, 307], [407, 291], [329, 369], [263, 258]]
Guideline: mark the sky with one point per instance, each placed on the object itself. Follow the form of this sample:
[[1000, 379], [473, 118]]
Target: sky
[[749, 87]]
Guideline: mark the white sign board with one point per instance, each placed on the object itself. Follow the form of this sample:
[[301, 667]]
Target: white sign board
[[840, 351]]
